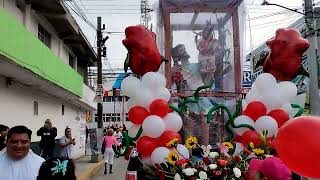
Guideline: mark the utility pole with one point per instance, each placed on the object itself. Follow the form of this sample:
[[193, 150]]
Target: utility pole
[[312, 58], [100, 49]]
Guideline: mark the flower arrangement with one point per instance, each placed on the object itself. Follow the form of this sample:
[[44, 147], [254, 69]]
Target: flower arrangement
[[203, 162]]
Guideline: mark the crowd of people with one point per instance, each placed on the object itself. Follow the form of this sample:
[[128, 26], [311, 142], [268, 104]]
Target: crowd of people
[[18, 161]]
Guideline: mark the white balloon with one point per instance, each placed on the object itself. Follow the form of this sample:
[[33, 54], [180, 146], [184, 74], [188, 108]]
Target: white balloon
[[183, 152], [130, 104], [160, 155], [143, 97], [154, 80], [162, 93], [133, 130], [173, 122], [243, 119], [239, 148], [287, 107], [244, 104], [265, 82], [267, 123], [153, 126], [129, 85], [147, 160], [272, 100], [253, 94], [287, 90]]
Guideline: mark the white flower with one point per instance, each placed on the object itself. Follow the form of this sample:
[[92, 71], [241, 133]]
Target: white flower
[[213, 166], [203, 175], [177, 177], [194, 169], [188, 171], [206, 150], [237, 172], [213, 154], [205, 168]]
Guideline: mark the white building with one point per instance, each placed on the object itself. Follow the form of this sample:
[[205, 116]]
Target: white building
[[115, 110], [44, 58]]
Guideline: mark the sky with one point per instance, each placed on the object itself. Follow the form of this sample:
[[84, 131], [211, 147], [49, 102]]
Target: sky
[[261, 22]]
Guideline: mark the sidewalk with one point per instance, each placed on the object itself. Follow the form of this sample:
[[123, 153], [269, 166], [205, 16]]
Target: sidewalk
[[85, 169], [120, 168]]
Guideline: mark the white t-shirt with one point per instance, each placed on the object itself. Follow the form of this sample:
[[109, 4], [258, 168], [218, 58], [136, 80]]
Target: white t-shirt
[[24, 169], [67, 150], [118, 136]]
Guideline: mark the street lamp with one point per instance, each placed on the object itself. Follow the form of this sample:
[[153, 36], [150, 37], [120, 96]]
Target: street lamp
[[265, 2]]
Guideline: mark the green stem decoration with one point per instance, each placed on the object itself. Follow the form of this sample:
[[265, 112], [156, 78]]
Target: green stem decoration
[[128, 141], [298, 106], [194, 99], [230, 121]]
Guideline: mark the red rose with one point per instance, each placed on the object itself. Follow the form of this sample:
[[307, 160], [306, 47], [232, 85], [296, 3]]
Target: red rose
[[222, 162], [237, 159], [218, 173], [247, 151], [182, 162], [206, 161], [144, 55]]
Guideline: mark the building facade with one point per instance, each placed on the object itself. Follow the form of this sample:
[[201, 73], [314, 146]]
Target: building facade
[[44, 58]]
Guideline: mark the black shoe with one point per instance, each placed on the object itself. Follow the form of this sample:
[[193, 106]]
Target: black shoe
[[105, 168], [110, 172]]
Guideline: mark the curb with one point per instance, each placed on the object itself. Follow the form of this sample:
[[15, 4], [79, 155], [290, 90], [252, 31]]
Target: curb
[[91, 171]]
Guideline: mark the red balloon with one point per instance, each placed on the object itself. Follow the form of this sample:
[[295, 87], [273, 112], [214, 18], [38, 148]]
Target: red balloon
[[280, 115], [137, 114], [146, 145], [168, 136], [298, 146], [251, 136], [159, 107], [236, 138], [255, 109]]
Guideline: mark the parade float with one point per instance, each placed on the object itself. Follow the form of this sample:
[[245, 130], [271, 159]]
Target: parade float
[[262, 135]]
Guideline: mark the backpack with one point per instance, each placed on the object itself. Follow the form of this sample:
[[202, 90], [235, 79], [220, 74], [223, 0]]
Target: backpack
[[103, 147]]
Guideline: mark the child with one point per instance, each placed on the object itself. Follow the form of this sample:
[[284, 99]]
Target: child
[[207, 46]]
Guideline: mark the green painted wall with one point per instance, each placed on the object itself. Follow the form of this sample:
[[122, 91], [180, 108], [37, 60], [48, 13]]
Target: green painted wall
[[24, 48]]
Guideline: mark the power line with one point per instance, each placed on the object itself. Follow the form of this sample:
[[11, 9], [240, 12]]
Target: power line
[[81, 16], [86, 10], [271, 22]]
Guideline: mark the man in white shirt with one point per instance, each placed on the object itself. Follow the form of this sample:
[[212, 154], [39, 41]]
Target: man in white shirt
[[17, 161], [66, 143]]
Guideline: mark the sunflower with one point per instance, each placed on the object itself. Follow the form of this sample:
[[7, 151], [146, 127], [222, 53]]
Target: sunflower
[[251, 145], [172, 157], [229, 145], [172, 143], [191, 142], [258, 151]]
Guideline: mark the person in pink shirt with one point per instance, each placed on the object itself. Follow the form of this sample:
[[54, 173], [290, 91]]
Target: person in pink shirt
[[108, 154]]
